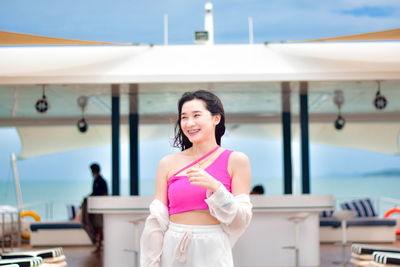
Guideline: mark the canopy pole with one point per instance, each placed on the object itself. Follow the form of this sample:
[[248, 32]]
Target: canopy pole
[[115, 124], [305, 162], [165, 29], [287, 138], [134, 138], [251, 39]]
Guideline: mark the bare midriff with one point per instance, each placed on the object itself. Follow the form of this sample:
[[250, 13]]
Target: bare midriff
[[194, 217]]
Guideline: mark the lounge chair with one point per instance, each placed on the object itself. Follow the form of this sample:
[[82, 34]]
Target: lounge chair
[[58, 233], [363, 255], [366, 227], [386, 258], [50, 257], [23, 262]]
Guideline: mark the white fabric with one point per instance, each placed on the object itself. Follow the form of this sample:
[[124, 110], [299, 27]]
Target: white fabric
[[196, 246], [153, 234], [332, 61], [233, 212]]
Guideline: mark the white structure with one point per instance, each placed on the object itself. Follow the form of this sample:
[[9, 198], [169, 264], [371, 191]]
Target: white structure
[[261, 245], [209, 23], [367, 61]]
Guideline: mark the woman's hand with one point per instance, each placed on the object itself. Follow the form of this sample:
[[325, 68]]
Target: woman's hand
[[200, 177]]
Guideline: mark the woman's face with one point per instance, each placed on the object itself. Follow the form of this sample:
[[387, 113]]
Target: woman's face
[[197, 123]]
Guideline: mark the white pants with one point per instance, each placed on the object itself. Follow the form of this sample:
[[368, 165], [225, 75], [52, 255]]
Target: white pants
[[196, 246]]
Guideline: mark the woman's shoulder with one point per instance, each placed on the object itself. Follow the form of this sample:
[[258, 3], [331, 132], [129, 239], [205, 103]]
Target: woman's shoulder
[[171, 158], [237, 157]]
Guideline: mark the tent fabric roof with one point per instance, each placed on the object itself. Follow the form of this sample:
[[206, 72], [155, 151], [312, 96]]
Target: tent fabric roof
[[200, 63], [13, 38], [179, 64], [387, 35]]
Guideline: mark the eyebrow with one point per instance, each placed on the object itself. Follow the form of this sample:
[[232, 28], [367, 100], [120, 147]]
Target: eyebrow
[[196, 111]]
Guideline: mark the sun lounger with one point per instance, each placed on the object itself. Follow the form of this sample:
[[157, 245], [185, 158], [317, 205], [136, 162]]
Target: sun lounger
[[53, 255], [365, 229], [363, 255], [386, 258], [24, 262], [62, 233]]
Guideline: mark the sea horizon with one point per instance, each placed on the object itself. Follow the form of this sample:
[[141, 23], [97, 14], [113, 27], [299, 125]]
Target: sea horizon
[[55, 195]]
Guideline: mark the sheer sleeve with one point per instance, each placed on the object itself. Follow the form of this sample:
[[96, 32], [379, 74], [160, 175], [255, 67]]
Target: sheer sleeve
[[151, 241], [234, 212]]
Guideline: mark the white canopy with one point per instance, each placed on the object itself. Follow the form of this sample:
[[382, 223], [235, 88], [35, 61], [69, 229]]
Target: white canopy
[[196, 63]]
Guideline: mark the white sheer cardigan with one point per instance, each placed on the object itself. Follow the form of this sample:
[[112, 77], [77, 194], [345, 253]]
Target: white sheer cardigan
[[233, 212]]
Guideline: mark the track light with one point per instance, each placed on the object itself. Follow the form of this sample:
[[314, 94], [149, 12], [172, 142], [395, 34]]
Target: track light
[[339, 100], [42, 104], [339, 122], [82, 124], [380, 101]]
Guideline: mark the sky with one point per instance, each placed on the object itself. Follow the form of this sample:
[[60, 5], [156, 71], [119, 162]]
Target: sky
[[136, 21], [142, 22]]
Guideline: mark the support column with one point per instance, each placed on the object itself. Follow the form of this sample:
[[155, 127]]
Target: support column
[[305, 163], [287, 138], [115, 123], [134, 138]]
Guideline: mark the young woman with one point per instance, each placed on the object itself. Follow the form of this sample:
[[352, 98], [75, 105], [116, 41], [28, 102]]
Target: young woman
[[202, 203]]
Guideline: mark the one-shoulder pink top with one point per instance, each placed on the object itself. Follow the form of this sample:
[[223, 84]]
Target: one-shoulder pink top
[[182, 196]]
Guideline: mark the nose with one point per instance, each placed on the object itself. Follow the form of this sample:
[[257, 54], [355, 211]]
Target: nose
[[189, 122]]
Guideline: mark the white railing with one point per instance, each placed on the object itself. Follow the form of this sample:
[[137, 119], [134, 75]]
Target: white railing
[[49, 207]]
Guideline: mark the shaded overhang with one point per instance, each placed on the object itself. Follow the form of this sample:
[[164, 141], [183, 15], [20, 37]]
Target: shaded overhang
[[200, 64]]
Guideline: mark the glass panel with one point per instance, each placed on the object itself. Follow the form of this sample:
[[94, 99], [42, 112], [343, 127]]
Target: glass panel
[[360, 160]]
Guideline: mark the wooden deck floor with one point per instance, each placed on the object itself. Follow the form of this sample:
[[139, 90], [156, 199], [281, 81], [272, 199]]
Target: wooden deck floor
[[84, 256]]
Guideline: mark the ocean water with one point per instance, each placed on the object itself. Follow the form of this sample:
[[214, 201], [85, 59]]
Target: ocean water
[[50, 198]]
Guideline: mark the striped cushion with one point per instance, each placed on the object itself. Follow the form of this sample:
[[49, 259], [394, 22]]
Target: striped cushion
[[42, 253], [362, 207], [386, 258], [360, 249], [73, 210], [24, 262], [326, 213]]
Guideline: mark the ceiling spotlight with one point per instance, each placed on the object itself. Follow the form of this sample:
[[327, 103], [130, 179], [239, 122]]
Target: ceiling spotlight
[[338, 99], [339, 122], [82, 124], [380, 101], [42, 104]]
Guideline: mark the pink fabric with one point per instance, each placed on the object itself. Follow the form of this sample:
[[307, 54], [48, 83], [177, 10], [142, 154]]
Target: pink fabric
[[182, 196]]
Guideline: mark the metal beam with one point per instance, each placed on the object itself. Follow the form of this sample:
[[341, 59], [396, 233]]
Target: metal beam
[[169, 118], [305, 154], [115, 123], [134, 138], [287, 138]]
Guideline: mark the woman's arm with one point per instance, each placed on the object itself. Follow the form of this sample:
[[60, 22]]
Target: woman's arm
[[233, 210], [157, 222], [161, 180], [239, 165]]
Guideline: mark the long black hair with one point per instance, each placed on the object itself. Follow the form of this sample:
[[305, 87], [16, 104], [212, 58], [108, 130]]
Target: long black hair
[[213, 104]]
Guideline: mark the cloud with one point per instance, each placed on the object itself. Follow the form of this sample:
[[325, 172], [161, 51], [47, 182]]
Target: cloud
[[142, 21], [370, 11]]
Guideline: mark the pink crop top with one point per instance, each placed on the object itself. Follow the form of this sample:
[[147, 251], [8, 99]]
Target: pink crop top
[[182, 196]]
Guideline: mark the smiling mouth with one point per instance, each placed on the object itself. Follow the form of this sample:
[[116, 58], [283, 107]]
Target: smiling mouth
[[193, 131]]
